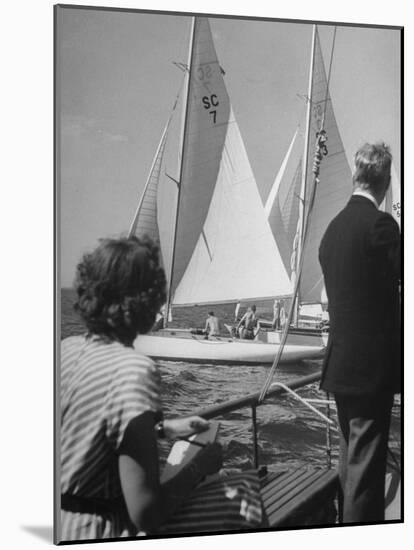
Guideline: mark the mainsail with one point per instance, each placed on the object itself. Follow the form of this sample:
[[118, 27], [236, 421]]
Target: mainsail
[[332, 192], [207, 117]]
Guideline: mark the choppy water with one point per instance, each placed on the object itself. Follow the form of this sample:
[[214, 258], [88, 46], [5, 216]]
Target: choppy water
[[289, 434]]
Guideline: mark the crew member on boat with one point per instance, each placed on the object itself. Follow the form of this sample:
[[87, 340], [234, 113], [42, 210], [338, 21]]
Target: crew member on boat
[[159, 319], [282, 314], [276, 315], [359, 255], [325, 317], [249, 324], [212, 327], [279, 315]]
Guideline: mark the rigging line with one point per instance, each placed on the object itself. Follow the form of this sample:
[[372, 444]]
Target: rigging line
[[303, 192], [302, 224], [292, 306], [320, 151]]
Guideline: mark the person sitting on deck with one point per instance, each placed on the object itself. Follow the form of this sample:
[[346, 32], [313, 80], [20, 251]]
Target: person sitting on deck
[[111, 415], [212, 327], [248, 325]]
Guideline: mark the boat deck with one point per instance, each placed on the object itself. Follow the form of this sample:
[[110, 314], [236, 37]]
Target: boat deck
[[304, 496]]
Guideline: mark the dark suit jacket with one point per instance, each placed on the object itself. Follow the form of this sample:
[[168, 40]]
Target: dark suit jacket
[[359, 255]]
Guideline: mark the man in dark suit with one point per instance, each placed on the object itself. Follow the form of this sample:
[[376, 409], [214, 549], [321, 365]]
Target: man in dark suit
[[359, 255]]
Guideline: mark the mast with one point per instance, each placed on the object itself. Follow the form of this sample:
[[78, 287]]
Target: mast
[[182, 149], [302, 217]]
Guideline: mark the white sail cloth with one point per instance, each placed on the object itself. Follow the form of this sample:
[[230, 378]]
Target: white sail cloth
[[332, 193], [236, 257]]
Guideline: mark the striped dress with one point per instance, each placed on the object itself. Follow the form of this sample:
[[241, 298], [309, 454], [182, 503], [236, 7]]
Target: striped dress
[[103, 387]]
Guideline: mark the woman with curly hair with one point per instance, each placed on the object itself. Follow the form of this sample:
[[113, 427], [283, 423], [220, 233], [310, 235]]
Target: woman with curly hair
[[110, 406]]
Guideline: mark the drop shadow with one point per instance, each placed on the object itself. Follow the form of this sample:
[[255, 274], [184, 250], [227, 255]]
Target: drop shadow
[[44, 532]]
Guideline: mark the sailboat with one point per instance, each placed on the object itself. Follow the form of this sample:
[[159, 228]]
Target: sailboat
[[287, 204], [219, 247]]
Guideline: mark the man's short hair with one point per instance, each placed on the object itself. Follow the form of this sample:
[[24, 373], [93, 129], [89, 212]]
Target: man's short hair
[[373, 165], [211, 313]]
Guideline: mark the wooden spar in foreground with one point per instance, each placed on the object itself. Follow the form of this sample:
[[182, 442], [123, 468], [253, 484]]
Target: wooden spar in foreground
[[302, 496], [251, 400]]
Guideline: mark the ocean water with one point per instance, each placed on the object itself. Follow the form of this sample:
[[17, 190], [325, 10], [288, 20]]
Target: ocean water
[[289, 434]]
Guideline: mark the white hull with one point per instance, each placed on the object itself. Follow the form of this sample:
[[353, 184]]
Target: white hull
[[299, 338], [193, 349]]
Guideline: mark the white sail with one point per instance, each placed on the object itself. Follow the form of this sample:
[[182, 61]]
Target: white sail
[[205, 130], [332, 193], [274, 195], [282, 205], [224, 249], [335, 185], [236, 257], [146, 217]]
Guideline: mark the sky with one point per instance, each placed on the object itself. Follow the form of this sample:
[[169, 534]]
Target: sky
[[117, 81]]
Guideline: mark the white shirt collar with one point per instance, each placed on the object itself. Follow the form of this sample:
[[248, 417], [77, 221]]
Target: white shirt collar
[[367, 195]]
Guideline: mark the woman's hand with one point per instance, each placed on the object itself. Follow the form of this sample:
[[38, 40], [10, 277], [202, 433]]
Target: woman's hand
[[176, 428]]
